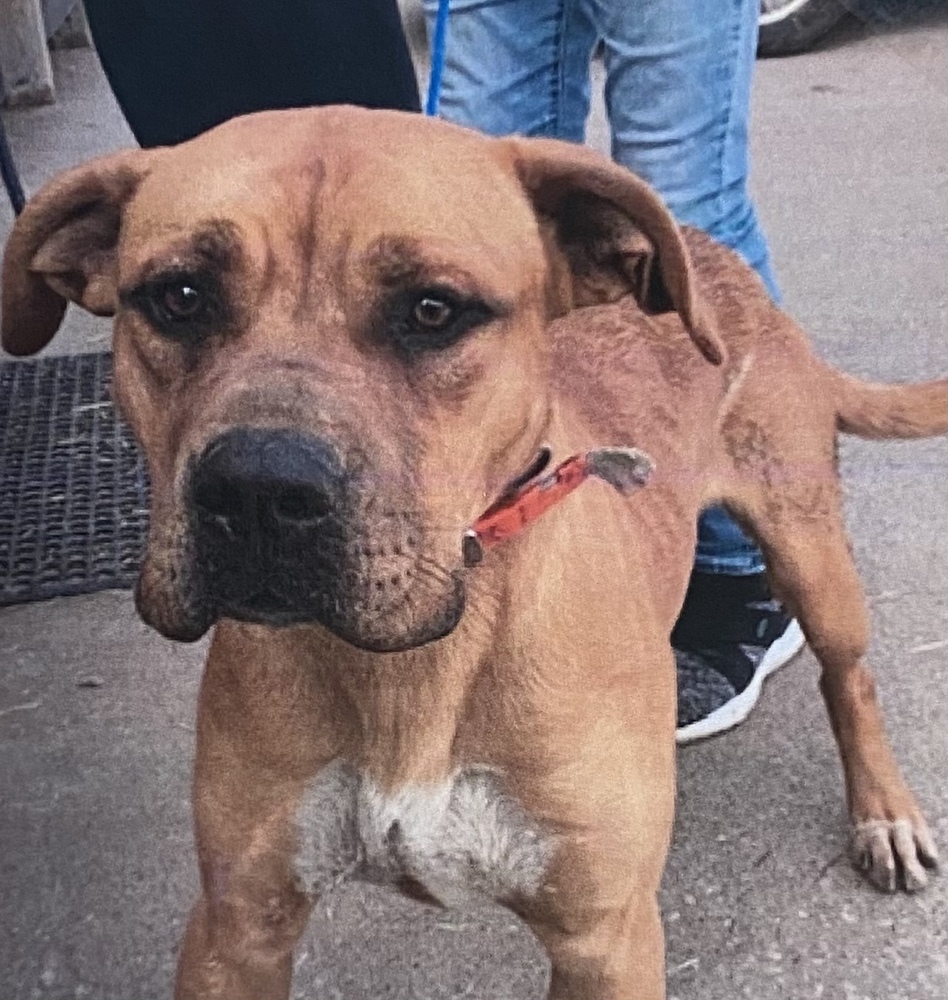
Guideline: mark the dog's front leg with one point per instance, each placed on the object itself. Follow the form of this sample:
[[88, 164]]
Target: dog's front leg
[[597, 915], [221, 959], [262, 743], [252, 910], [812, 568], [617, 955]]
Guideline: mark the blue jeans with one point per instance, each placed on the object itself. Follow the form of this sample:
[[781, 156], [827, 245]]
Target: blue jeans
[[678, 78]]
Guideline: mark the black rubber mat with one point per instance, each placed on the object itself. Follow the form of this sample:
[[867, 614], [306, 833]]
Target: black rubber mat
[[73, 488]]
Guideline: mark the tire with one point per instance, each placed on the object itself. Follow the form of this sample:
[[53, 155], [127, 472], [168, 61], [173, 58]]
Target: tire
[[790, 26]]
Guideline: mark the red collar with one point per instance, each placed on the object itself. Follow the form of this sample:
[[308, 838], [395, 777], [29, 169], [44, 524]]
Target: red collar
[[529, 495]]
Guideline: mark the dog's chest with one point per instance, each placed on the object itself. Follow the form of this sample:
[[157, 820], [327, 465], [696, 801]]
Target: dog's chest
[[459, 840]]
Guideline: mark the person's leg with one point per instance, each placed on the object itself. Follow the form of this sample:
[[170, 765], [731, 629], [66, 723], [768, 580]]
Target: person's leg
[[517, 66], [177, 68], [678, 85]]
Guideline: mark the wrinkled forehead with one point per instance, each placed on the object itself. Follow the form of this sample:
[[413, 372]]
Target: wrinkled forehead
[[370, 182]]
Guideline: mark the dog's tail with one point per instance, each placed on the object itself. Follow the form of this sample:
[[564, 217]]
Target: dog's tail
[[878, 410]]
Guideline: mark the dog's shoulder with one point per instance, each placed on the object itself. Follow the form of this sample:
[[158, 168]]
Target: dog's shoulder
[[618, 345], [621, 366], [733, 292]]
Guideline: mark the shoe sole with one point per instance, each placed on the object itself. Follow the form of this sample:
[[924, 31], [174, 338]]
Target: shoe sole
[[735, 711]]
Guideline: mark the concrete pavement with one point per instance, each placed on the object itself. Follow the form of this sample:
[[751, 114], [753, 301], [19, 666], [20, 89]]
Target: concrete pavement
[[96, 863]]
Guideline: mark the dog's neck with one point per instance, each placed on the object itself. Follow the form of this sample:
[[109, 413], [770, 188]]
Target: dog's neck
[[417, 715]]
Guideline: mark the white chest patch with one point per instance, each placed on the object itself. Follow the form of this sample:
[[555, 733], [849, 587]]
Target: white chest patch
[[461, 839]]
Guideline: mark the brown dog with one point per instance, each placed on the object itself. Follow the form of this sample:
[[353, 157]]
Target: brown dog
[[339, 334]]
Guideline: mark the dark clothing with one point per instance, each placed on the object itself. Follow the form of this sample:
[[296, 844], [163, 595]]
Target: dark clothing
[[179, 67]]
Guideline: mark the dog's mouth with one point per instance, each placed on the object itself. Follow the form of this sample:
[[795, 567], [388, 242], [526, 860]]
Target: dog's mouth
[[378, 590], [368, 610], [372, 607]]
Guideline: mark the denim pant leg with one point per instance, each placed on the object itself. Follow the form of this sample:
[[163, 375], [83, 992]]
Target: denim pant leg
[[691, 61], [517, 66]]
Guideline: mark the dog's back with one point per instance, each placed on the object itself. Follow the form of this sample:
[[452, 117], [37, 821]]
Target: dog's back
[[637, 379]]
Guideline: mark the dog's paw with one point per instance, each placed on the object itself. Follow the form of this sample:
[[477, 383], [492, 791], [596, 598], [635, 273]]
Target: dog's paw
[[894, 854]]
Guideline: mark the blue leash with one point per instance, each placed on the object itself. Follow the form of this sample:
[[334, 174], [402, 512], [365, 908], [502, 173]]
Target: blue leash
[[438, 50], [8, 174]]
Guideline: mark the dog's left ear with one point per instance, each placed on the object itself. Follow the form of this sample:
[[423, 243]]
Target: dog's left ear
[[63, 248], [615, 234]]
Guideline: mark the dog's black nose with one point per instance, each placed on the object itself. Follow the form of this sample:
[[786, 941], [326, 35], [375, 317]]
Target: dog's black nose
[[253, 482]]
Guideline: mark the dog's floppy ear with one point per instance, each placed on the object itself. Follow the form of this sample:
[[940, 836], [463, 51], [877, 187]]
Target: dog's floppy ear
[[615, 234], [62, 248]]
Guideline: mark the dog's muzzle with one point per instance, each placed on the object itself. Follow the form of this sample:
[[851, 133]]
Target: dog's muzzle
[[279, 539]]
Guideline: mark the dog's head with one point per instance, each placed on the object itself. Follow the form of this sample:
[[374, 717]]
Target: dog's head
[[330, 343]]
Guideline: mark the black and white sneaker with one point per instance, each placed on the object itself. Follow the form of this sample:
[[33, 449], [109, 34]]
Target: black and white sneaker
[[730, 637]]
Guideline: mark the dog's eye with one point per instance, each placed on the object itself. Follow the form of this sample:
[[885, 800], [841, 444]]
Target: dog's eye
[[432, 313], [432, 319], [179, 305], [181, 301]]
